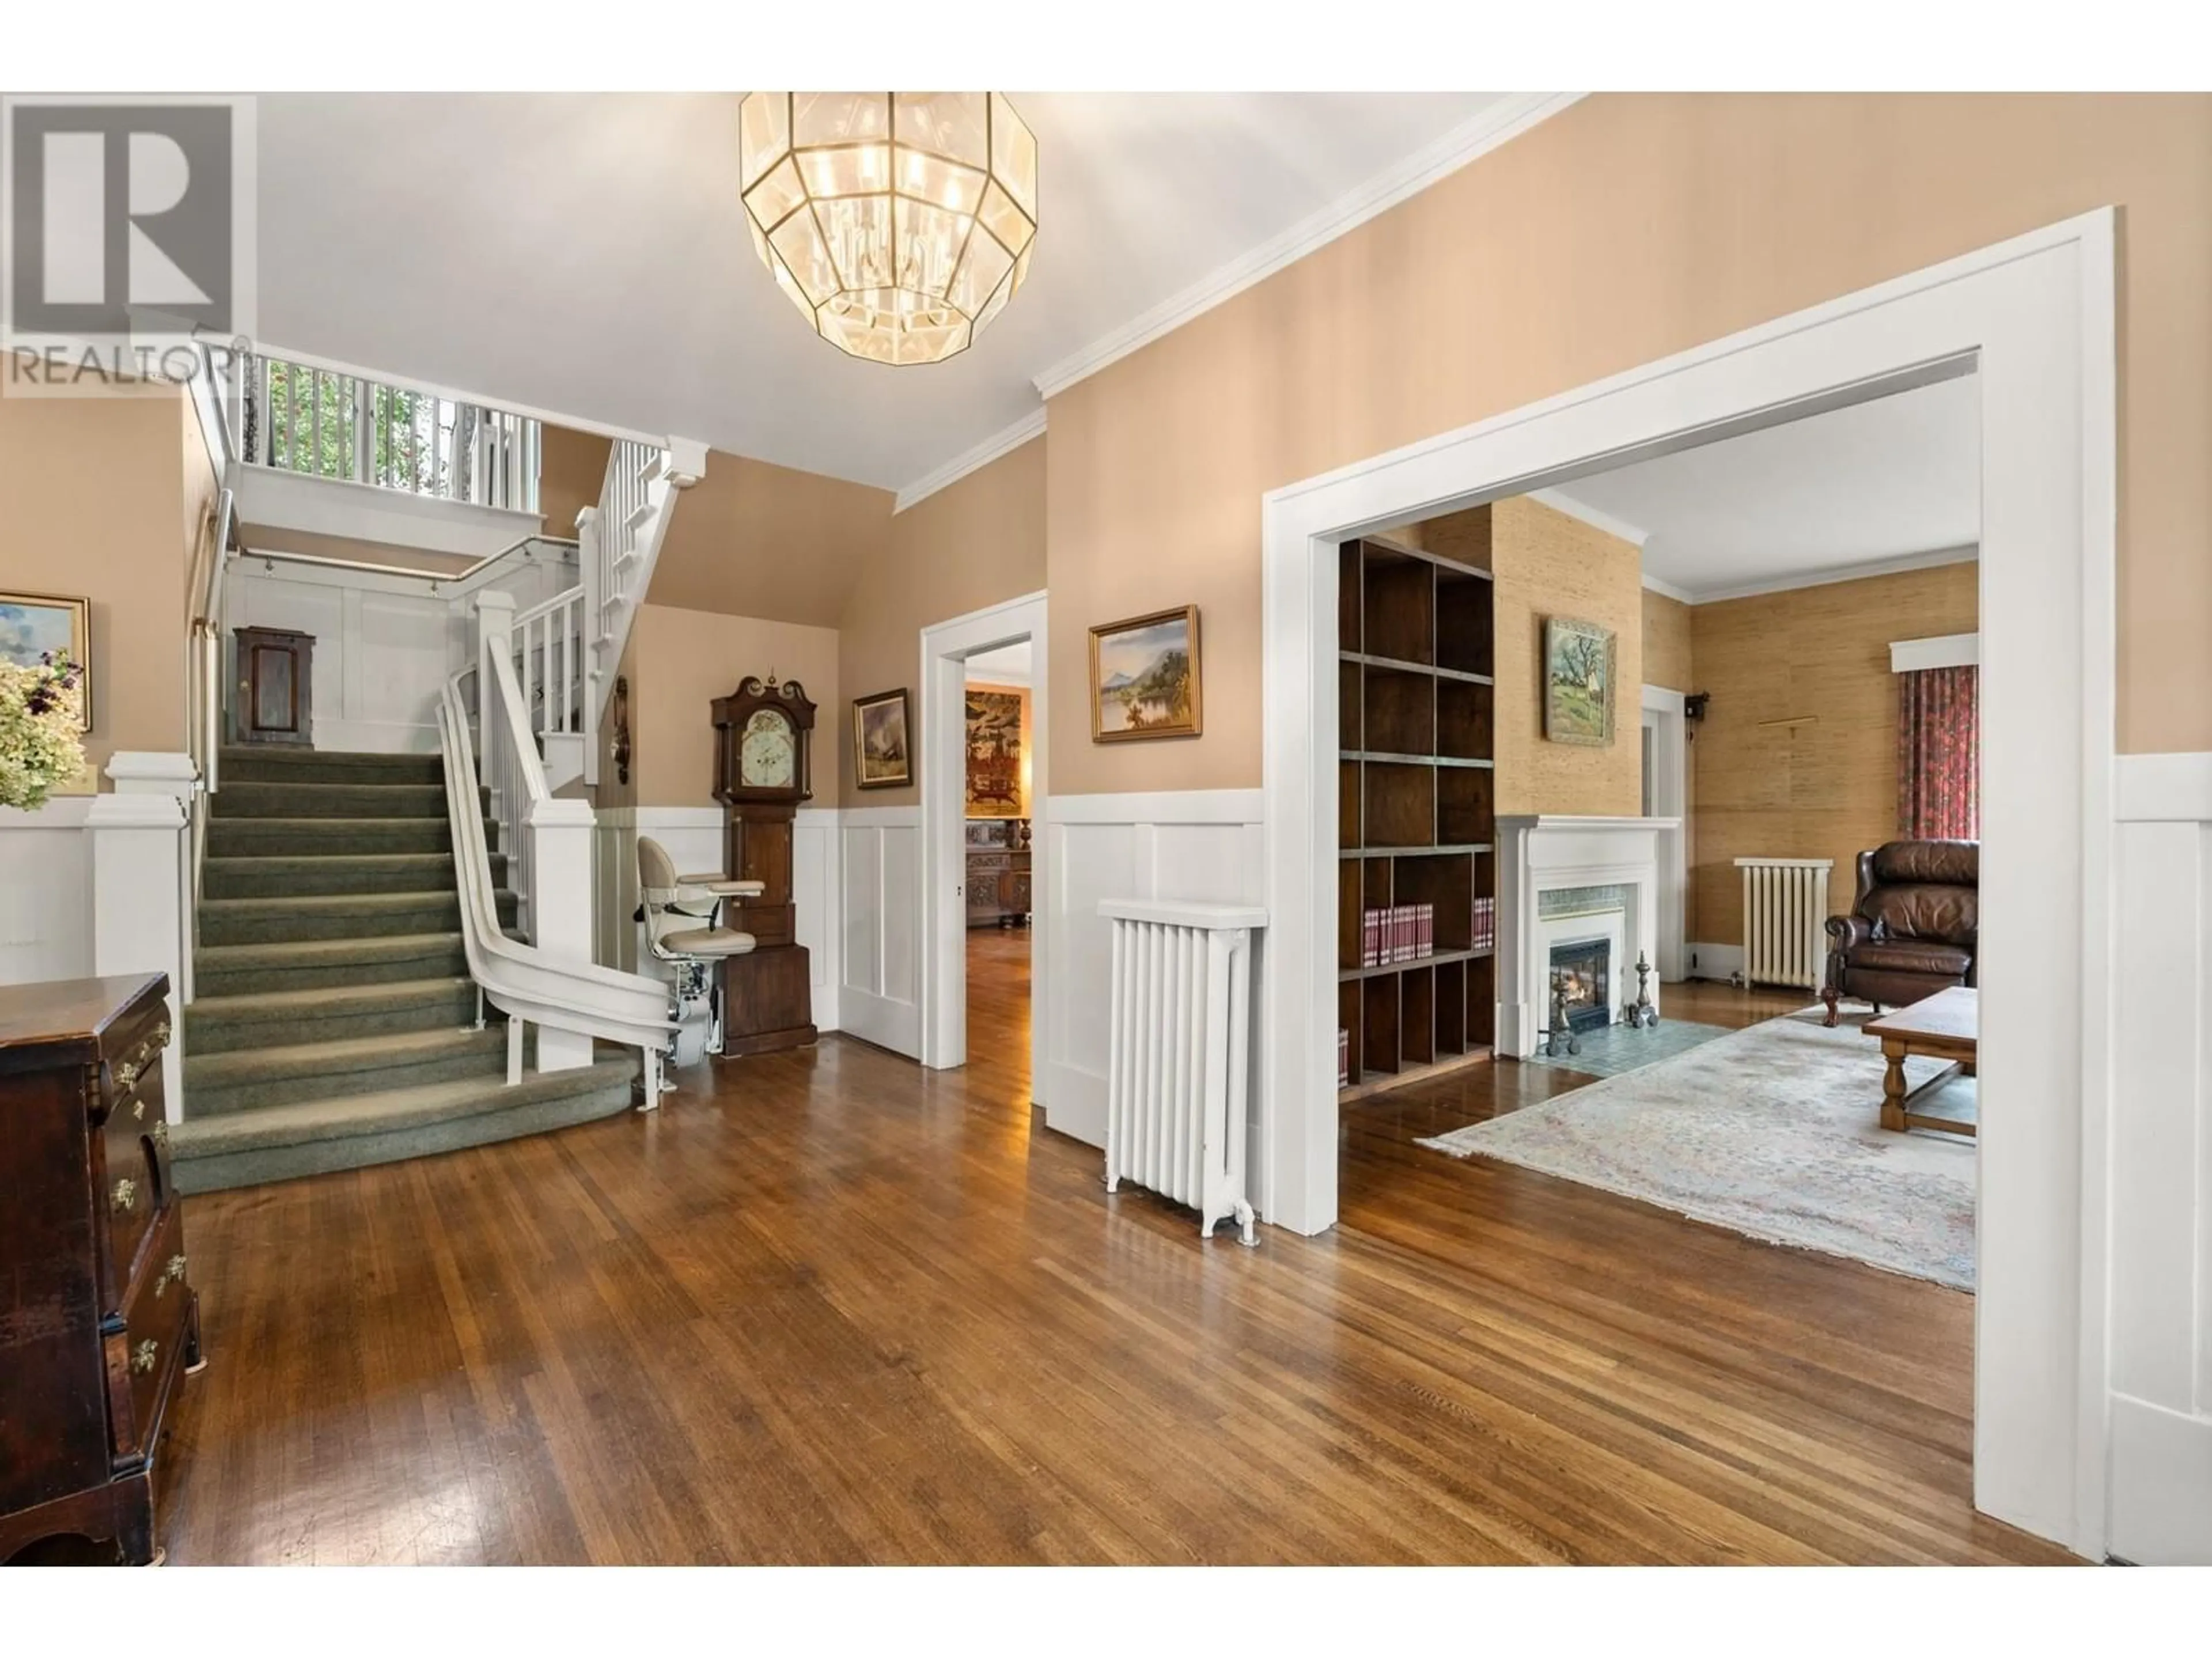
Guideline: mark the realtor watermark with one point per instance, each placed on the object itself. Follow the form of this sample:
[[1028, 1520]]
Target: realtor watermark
[[126, 241]]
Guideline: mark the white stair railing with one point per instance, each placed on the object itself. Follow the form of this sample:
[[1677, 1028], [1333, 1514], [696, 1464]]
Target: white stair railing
[[297, 417], [203, 687], [549, 641], [547, 978], [620, 541]]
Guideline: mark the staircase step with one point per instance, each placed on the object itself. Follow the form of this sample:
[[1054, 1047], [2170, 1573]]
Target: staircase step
[[310, 965], [268, 764], [234, 799], [350, 1132], [283, 837], [289, 1073], [270, 1019], [292, 876], [335, 915]]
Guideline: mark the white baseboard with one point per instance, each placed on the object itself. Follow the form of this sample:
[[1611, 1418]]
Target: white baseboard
[[1720, 962]]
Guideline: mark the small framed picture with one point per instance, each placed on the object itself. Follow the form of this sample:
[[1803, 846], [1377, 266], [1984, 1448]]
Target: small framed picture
[[883, 742], [1144, 676], [32, 625], [1578, 659]]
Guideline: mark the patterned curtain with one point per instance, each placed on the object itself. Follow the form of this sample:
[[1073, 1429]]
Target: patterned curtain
[[1939, 748]]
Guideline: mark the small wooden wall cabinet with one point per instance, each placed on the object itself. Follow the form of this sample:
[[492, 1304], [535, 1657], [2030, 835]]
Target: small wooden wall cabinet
[[1416, 805], [98, 1322], [275, 687]]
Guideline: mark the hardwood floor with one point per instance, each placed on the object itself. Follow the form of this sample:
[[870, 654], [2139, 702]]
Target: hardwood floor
[[826, 1307]]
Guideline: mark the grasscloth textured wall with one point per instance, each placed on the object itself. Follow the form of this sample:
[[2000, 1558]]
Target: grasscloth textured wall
[[976, 542], [1621, 231], [100, 497], [1667, 657], [1827, 788]]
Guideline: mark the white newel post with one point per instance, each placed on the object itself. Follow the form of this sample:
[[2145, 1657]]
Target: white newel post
[[142, 887], [560, 833]]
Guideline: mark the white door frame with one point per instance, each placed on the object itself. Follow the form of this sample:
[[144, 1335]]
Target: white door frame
[[941, 745], [2034, 318], [1670, 799]]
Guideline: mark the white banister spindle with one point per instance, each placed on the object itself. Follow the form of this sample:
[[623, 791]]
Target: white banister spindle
[[1178, 1044]]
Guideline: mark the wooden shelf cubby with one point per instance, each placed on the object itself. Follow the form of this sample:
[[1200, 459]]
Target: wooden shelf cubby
[[1417, 812]]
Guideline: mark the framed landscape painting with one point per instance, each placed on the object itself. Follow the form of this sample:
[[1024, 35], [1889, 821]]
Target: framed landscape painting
[[1578, 689], [34, 624], [1144, 676], [883, 742]]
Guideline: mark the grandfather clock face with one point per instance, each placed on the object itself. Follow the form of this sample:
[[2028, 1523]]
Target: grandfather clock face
[[768, 751]]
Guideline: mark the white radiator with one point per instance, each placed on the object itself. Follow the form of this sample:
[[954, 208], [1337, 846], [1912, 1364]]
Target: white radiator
[[1178, 1044], [1786, 913]]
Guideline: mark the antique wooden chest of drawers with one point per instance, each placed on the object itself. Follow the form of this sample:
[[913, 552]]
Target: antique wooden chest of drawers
[[98, 1321]]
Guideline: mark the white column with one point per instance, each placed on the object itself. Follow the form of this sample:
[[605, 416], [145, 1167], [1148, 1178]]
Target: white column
[[560, 833], [141, 889]]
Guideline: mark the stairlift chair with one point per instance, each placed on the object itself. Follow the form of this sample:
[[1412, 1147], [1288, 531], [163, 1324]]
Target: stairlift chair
[[682, 918]]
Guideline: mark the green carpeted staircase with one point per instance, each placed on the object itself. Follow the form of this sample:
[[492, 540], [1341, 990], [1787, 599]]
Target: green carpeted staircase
[[333, 1022]]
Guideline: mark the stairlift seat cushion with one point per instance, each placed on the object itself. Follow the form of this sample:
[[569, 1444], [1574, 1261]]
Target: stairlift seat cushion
[[706, 941]]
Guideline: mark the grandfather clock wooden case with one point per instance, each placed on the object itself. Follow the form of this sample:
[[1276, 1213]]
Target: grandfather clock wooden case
[[764, 738]]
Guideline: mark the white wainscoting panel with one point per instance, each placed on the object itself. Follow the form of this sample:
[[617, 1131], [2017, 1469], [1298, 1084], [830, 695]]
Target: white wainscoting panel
[[384, 644], [879, 858], [693, 837], [45, 891], [2161, 1163], [1205, 845]]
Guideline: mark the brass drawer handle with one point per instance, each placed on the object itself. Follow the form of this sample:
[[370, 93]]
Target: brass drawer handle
[[125, 1195], [127, 1074], [174, 1272], [144, 1356], [128, 1071], [160, 1135]]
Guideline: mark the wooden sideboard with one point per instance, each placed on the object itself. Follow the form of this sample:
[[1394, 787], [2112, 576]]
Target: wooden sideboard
[[98, 1322], [997, 873]]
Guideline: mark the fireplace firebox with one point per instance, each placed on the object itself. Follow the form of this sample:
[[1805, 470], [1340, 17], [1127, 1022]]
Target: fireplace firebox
[[1582, 968]]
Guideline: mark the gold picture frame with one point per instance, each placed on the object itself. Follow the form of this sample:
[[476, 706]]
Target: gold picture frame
[[34, 623], [1139, 689], [882, 740]]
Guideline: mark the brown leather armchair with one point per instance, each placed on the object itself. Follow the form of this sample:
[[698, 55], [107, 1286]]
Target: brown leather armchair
[[1913, 927]]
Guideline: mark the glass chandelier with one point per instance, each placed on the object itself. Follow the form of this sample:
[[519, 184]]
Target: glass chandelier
[[899, 223]]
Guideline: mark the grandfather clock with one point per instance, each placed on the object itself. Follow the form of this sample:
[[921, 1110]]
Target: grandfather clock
[[763, 732]]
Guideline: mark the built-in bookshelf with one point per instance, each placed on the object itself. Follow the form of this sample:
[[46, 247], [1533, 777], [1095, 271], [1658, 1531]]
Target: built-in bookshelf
[[1416, 811]]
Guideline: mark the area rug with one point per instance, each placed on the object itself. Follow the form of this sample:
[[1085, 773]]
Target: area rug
[[1773, 1131], [1613, 1049]]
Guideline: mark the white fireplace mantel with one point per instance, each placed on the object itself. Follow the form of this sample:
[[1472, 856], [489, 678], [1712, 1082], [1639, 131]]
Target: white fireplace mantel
[[1542, 854]]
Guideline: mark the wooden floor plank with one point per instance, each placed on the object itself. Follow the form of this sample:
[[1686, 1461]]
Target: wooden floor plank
[[825, 1306]]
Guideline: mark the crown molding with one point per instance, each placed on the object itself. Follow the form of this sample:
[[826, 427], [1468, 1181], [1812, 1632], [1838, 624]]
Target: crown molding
[[999, 443], [1847, 572], [1559, 502], [1503, 121], [1667, 590]]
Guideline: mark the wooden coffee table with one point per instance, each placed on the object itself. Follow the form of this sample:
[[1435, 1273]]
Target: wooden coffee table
[[1945, 1026]]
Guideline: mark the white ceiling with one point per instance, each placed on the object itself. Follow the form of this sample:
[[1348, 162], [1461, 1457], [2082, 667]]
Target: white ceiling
[[1009, 665], [587, 254], [1883, 484]]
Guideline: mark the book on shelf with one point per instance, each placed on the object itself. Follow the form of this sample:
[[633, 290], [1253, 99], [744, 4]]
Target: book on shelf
[[1343, 1058], [1371, 938]]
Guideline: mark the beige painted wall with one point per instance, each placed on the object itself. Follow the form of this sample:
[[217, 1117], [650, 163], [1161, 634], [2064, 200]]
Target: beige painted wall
[[1667, 654], [1626, 228], [570, 475], [1826, 789], [750, 539], [976, 542], [682, 660], [101, 497]]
